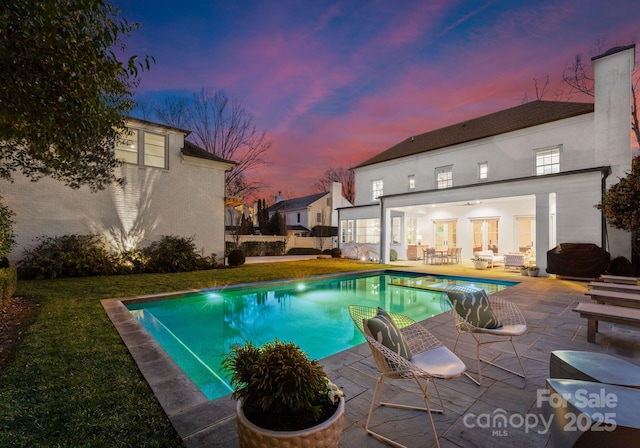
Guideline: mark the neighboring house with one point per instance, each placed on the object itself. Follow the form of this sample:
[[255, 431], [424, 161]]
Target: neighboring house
[[172, 187], [304, 213], [520, 180]]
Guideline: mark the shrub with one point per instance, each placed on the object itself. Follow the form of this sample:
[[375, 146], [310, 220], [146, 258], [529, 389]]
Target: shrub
[[236, 258], [275, 248], [393, 255], [7, 238], [252, 248], [8, 282], [171, 254], [280, 387], [336, 252], [66, 256]]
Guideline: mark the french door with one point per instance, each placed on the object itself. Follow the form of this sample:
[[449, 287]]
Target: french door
[[445, 234], [485, 234]]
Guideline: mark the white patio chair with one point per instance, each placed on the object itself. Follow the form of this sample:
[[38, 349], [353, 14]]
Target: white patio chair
[[428, 360], [489, 320]]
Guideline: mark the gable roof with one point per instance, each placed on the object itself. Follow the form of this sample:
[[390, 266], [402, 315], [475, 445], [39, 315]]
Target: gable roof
[[520, 117], [297, 203], [192, 150]]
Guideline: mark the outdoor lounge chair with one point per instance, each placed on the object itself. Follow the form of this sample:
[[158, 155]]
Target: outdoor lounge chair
[[404, 350], [495, 319], [513, 260]]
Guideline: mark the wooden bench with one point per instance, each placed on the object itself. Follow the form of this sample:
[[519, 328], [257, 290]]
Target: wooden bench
[[595, 312], [607, 286], [620, 279], [624, 299]]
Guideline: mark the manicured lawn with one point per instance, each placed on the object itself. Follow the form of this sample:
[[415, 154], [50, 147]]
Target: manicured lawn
[[72, 382]]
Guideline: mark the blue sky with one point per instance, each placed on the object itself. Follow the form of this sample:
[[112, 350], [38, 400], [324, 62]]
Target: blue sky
[[335, 82]]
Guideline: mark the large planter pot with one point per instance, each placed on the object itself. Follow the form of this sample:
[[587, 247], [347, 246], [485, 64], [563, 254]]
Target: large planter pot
[[533, 272], [327, 434], [480, 264]]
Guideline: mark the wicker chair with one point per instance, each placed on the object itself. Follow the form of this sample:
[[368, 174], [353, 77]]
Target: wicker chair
[[430, 360], [509, 315]]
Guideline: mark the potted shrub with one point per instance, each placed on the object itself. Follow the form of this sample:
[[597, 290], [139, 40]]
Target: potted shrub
[[480, 263], [284, 398], [524, 271], [533, 271]]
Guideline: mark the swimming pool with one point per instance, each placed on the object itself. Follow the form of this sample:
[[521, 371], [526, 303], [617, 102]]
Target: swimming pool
[[198, 329]]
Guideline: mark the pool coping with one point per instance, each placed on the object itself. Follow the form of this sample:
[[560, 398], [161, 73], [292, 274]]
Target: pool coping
[[190, 412]]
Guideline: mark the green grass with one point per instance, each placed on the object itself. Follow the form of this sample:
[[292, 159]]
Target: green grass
[[72, 382]]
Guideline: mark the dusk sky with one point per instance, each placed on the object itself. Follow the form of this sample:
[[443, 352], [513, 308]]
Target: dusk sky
[[336, 82]]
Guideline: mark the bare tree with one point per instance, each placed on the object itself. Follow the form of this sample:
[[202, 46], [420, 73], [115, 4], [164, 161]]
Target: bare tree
[[579, 77], [223, 127], [342, 175]]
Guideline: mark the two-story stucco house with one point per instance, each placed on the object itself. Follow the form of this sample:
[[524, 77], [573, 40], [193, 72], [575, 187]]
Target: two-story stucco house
[[172, 188], [519, 180], [304, 213]]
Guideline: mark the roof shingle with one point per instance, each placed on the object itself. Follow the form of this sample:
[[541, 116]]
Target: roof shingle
[[520, 117]]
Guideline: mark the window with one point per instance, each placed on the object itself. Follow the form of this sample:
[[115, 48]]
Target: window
[[376, 189], [547, 161], [319, 217], [444, 177], [154, 148], [412, 182], [346, 231], [127, 147], [395, 229], [483, 171], [411, 230], [368, 231], [298, 216]]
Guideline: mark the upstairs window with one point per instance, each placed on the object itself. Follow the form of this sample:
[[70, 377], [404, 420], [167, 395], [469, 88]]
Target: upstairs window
[[412, 182], [376, 189], [444, 177], [153, 153], [547, 161], [483, 171]]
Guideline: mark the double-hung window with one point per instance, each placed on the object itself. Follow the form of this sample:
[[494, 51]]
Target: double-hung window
[[483, 170], [142, 148], [376, 189], [444, 177], [547, 161]]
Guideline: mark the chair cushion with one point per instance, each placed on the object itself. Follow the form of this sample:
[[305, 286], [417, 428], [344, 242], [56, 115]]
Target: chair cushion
[[474, 307], [382, 328]]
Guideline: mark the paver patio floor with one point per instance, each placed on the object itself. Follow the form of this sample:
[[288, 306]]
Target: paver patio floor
[[546, 304]]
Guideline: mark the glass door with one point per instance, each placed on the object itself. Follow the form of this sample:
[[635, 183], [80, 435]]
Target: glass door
[[526, 234], [485, 235], [445, 234]]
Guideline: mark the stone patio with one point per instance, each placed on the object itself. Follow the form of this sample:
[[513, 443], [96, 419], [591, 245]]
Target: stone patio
[[545, 302]]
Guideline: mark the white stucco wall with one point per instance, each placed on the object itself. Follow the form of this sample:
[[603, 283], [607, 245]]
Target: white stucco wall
[[186, 200], [509, 156]]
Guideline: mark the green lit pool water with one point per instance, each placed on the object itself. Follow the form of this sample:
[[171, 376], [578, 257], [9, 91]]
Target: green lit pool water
[[198, 329]]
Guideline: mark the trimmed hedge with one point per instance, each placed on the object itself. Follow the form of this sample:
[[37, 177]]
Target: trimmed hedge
[[304, 251]]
